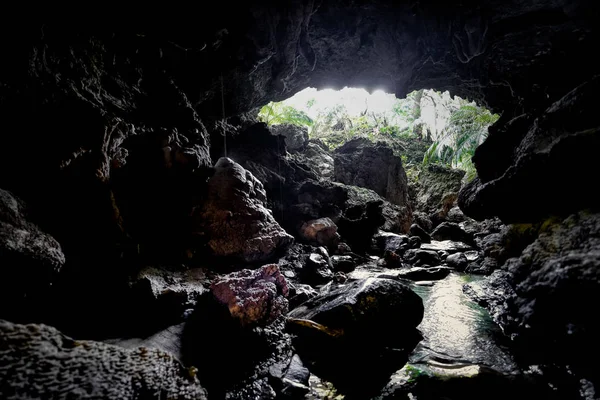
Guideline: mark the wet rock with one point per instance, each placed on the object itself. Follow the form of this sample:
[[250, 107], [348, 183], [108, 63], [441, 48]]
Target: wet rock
[[451, 231], [425, 273], [234, 219], [343, 263], [362, 329], [397, 218], [42, 354], [414, 242], [301, 293], [438, 191], [30, 258], [416, 230], [483, 266], [296, 137], [390, 242], [537, 297], [317, 270], [423, 220], [365, 308], [320, 231], [254, 297], [360, 162], [457, 261], [419, 257], [446, 245], [295, 379]]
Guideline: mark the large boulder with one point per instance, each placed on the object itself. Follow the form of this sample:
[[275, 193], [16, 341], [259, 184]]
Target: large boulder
[[29, 258], [320, 231], [296, 137], [559, 146], [360, 162], [63, 368], [234, 218], [319, 159], [451, 231], [254, 297], [356, 335], [368, 308], [541, 298], [438, 190]]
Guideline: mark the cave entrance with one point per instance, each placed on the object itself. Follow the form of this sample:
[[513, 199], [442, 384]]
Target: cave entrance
[[425, 127]]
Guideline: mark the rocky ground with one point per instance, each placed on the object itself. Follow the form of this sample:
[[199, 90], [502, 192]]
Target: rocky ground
[[156, 242]]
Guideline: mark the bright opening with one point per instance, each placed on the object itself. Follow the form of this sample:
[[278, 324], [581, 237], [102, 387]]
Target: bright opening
[[426, 127]]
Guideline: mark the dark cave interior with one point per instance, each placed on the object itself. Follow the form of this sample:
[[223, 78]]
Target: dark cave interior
[[138, 262]]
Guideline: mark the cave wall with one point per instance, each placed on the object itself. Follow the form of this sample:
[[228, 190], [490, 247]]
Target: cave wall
[[117, 116]]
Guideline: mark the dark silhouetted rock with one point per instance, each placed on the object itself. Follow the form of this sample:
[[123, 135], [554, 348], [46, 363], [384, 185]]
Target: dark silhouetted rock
[[414, 242], [296, 137], [458, 261], [555, 147], [317, 270], [416, 230], [360, 162], [234, 219], [63, 368], [30, 258], [419, 257], [537, 298], [343, 263], [451, 231], [301, 293], [425, 274], [254, 297], [369, 308]]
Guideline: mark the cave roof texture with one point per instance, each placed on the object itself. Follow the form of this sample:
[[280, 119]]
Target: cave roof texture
[[66, 84]]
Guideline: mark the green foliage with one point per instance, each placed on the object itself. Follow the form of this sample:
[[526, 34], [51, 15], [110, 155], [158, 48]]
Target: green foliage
[[279, 113], [467, 129]]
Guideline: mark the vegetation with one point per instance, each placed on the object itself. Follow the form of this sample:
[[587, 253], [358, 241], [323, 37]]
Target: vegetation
[[401, 125]]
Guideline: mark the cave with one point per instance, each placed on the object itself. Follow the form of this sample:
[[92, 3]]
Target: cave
[[159, 240]]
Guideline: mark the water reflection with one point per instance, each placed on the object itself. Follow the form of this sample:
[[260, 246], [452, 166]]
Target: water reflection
[[456, 331]]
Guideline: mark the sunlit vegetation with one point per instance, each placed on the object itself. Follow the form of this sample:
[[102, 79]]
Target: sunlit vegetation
[[425, 127]]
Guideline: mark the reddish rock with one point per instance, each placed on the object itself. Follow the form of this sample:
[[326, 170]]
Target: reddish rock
[[254, 297]]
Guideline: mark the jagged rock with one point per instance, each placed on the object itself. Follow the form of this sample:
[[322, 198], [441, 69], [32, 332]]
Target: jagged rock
[[457, 261], [419, 257], [451, 231], [425, 274], [165, 293], [368, 308], [63, 368], [414, 242], [360, 162], [254, 297], [397, 218], [343, 248], [317, 270], [423, 220], [320, 231], [392, 242], [438, 191], [556, 146], [30, 258], [356, 211], [537, 298], [296, 137], [234, 218], [455, 215], [484, 266], [301, 293], [416, 230], [343, 263], [320, 160]]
